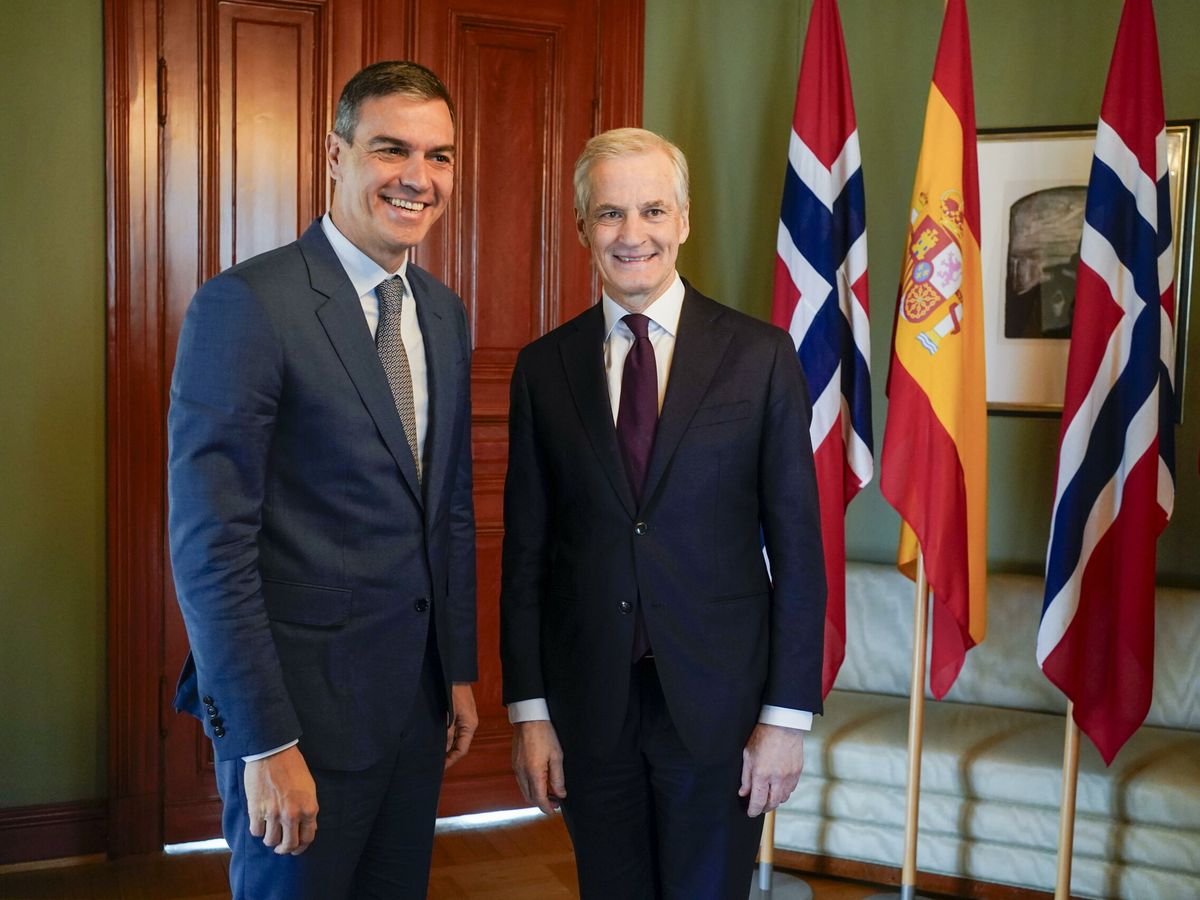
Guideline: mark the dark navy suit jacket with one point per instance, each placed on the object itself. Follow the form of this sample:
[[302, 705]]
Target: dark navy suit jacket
[[731, 461], [308, 559]]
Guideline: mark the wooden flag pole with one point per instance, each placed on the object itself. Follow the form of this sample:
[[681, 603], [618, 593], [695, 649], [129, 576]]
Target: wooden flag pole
[[766, 854], [1066, 815], [916, 727], [769, 884]]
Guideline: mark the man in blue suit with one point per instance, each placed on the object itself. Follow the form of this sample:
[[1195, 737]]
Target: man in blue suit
[[321, 521], [658, 681]]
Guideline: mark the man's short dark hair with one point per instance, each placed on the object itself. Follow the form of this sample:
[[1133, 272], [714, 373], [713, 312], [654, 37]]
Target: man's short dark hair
[[382, 79]]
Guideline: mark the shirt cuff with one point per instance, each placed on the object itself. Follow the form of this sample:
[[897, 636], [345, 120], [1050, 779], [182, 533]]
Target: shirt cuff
[[257, 756], [787, 718], [535, 710]]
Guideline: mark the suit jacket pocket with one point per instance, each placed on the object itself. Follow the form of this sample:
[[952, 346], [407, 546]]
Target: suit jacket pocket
[[721, 412], [306, 604], [734, 598]]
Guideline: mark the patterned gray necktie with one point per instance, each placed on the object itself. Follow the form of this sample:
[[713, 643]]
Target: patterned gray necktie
[[395, 360]]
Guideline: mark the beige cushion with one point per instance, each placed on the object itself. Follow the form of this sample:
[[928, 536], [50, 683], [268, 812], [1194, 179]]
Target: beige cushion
[[1006, 755], [1003, 670]]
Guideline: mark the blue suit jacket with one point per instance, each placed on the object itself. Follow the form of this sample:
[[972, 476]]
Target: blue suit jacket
[[731, 465], [307, 558]]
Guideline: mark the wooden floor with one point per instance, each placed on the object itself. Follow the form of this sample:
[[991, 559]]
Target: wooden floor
[[527, 860]]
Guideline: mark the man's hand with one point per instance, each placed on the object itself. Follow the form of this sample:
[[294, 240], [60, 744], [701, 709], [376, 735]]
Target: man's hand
[[281, 801], [771, 766], [463, 724], [537, 763]]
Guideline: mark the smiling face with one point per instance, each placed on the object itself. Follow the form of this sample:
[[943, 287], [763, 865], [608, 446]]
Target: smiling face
[[395, 178], [633, 226]]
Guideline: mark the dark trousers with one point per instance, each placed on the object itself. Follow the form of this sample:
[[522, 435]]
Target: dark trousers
[[374, 828], [652, 822]]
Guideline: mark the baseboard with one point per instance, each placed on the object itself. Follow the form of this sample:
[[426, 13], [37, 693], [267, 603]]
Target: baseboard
[[927, 882], [53, 830]]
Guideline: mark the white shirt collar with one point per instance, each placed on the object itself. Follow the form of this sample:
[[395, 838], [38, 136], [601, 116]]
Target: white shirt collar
[[364, 273], [663, 312]]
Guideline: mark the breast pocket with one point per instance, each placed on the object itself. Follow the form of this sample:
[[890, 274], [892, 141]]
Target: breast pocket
[[719, 413]]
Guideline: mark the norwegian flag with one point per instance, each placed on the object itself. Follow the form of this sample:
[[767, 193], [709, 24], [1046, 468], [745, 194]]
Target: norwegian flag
[[1115, 487], [821, 295]]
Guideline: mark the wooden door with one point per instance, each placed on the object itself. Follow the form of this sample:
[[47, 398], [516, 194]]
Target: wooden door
[[225, 162]]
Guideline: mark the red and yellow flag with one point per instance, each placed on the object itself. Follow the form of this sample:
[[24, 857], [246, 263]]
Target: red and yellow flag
[[934, 469]]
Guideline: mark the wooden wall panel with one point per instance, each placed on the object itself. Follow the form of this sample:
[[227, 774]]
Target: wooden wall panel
[[507, 178], [271, 103]]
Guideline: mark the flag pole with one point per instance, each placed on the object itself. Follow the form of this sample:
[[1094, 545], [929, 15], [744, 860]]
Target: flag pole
[[769, 884], [1066, 820], [916, 729], [766, 854]]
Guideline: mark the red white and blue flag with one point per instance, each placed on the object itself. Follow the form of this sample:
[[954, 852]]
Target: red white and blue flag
[[821, 294], [1115, 487]]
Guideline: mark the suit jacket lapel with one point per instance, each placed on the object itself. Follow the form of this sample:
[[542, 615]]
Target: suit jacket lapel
[[342, 317], [583, 360], [699, 347], [442, 353]]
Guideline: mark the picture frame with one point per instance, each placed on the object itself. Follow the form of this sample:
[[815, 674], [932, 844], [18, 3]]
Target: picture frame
[[1032, 193]]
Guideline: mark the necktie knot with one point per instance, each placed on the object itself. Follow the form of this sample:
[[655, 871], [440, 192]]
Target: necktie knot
[[390, 291], [638, 324]]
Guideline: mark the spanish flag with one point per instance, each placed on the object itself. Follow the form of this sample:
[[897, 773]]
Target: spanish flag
[[934, 469]]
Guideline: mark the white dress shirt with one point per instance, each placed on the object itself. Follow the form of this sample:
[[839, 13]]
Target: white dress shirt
[[366, 274], [663, 314]]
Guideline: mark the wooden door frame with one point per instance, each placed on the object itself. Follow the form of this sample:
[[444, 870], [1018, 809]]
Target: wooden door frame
[[135, 396]]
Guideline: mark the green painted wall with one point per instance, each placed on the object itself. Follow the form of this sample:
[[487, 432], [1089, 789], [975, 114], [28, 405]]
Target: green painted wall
[[721, 80], [52, 590]]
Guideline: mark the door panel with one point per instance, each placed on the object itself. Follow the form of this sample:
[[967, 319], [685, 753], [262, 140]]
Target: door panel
[[269, 121]]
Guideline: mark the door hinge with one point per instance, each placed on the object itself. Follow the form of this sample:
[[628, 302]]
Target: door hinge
[[162, 91]]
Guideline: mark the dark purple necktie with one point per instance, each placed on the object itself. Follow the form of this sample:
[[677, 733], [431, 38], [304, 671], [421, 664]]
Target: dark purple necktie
[[637, 417]]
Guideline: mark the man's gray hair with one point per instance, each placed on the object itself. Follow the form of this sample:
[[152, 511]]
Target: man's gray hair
[[626, 142], [382, 79]]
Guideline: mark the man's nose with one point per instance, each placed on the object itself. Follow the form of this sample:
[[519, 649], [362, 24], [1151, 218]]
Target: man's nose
[[414, 173], [632, 231]]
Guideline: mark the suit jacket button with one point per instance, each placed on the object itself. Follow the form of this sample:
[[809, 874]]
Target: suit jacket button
[[206, 700], [219, 731], [422, 604], [218, 722], [626, 607], [640, 528], [212, 710]]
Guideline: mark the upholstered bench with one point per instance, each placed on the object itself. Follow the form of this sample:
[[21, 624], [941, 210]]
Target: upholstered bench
[[992, 762]]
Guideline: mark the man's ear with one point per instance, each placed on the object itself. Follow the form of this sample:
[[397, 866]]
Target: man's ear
[[687, 228], [333, 151], [581, 229]]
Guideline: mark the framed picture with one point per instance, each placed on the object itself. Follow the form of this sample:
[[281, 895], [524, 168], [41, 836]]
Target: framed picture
[[1032, 195]]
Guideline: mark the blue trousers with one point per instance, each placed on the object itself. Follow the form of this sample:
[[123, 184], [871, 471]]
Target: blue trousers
[[374, 828]]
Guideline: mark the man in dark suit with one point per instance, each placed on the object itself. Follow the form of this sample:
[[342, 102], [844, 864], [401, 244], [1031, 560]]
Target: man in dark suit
[[321, 521], [658, 680]]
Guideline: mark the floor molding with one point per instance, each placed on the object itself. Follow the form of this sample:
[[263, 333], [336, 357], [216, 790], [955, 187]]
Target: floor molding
[[949, 885], [53, 831]]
